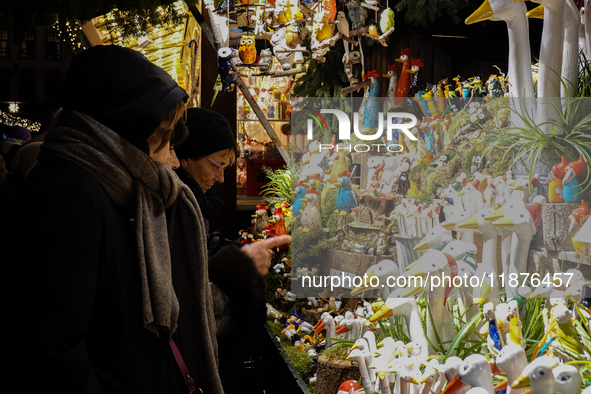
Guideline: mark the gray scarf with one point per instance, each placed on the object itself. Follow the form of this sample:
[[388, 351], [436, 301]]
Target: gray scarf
[[134, 181]]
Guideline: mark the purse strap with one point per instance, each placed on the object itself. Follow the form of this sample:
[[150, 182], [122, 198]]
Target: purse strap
[[183, 367]]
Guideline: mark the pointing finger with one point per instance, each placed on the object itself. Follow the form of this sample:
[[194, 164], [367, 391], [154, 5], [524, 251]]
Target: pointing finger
[[271, 243]]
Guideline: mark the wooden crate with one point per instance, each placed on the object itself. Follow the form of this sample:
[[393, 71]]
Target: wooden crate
[[555, 218]]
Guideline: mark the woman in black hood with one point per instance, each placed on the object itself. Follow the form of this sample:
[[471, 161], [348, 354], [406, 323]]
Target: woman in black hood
[[113, 274]]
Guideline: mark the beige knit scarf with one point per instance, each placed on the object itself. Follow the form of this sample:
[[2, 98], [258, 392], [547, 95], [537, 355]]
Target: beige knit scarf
[[135, 182]]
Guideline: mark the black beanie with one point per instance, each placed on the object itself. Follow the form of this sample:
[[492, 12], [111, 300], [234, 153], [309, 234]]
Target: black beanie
[[122, 89], [209, 132]]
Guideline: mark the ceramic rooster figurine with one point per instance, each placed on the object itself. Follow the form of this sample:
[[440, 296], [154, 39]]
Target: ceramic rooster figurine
[[393, 76], [572, 185], [370, 115], [260, 219], [404, 81], [577, 219], [555, 187]]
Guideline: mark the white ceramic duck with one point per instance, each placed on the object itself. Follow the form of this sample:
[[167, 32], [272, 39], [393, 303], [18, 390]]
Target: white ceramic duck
[[475, 371], [567, 379], [399, 305], [489, 247], [512, 360], [473, 199], [523, 224], [434, 238], [326, 321], [538, 375], [366, 382], [435, 263], [382, 270], [514, 14]]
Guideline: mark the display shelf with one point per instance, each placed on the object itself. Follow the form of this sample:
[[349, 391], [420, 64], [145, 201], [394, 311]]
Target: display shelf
[[244, 203]]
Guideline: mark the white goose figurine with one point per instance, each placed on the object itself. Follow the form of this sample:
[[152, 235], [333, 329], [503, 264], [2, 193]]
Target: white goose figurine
[[512, 360], [523, 225], [326, 321], [489, 248], [382, 270], [570, 51], [366, 382], [538, 375], [550, 64], [519, 73], [399, 305], [435, 263], [567, 379], [473, 199], [451, 367], [459, 216], [476, 372], [434, 238]]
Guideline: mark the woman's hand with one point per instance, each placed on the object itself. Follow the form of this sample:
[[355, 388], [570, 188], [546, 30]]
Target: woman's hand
[[261, 251]]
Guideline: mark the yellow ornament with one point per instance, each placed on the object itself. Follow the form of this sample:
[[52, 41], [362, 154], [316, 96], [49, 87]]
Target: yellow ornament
[[247, 49]]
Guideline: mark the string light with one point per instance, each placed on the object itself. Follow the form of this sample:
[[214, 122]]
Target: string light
[[13, 107], [12, 120]]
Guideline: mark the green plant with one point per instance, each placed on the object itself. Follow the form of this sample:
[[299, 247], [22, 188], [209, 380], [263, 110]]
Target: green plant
[[566, 136], [278, 189]]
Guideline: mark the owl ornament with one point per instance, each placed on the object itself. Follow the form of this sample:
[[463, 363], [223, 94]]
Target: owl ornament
[[266, 60], [281, 50], [292, 40], [247, 49]]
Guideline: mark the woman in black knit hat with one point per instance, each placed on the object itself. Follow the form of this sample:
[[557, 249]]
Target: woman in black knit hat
[[236, 272], [203, 157]]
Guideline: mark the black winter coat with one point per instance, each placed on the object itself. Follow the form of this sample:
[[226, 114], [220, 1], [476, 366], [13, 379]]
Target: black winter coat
[[70, 293]]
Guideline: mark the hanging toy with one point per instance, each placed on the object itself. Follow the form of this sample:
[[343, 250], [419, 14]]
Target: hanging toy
[[343, 28], [247, 49], [292, 39], [321, 34], [266, 60], [281, 50], [224, 67], [353, 68], [330, 6], [357, 14], [283, 11], [386, 22]]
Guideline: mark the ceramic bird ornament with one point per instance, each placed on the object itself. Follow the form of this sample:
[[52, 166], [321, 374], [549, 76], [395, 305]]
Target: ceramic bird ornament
[[555, 186], [224, 67], [310, 217], [387, 21], [247, 49], [281, 49], [571, 181]]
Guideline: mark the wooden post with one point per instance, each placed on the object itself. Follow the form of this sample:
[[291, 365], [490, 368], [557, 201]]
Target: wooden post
[[264, 121]]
